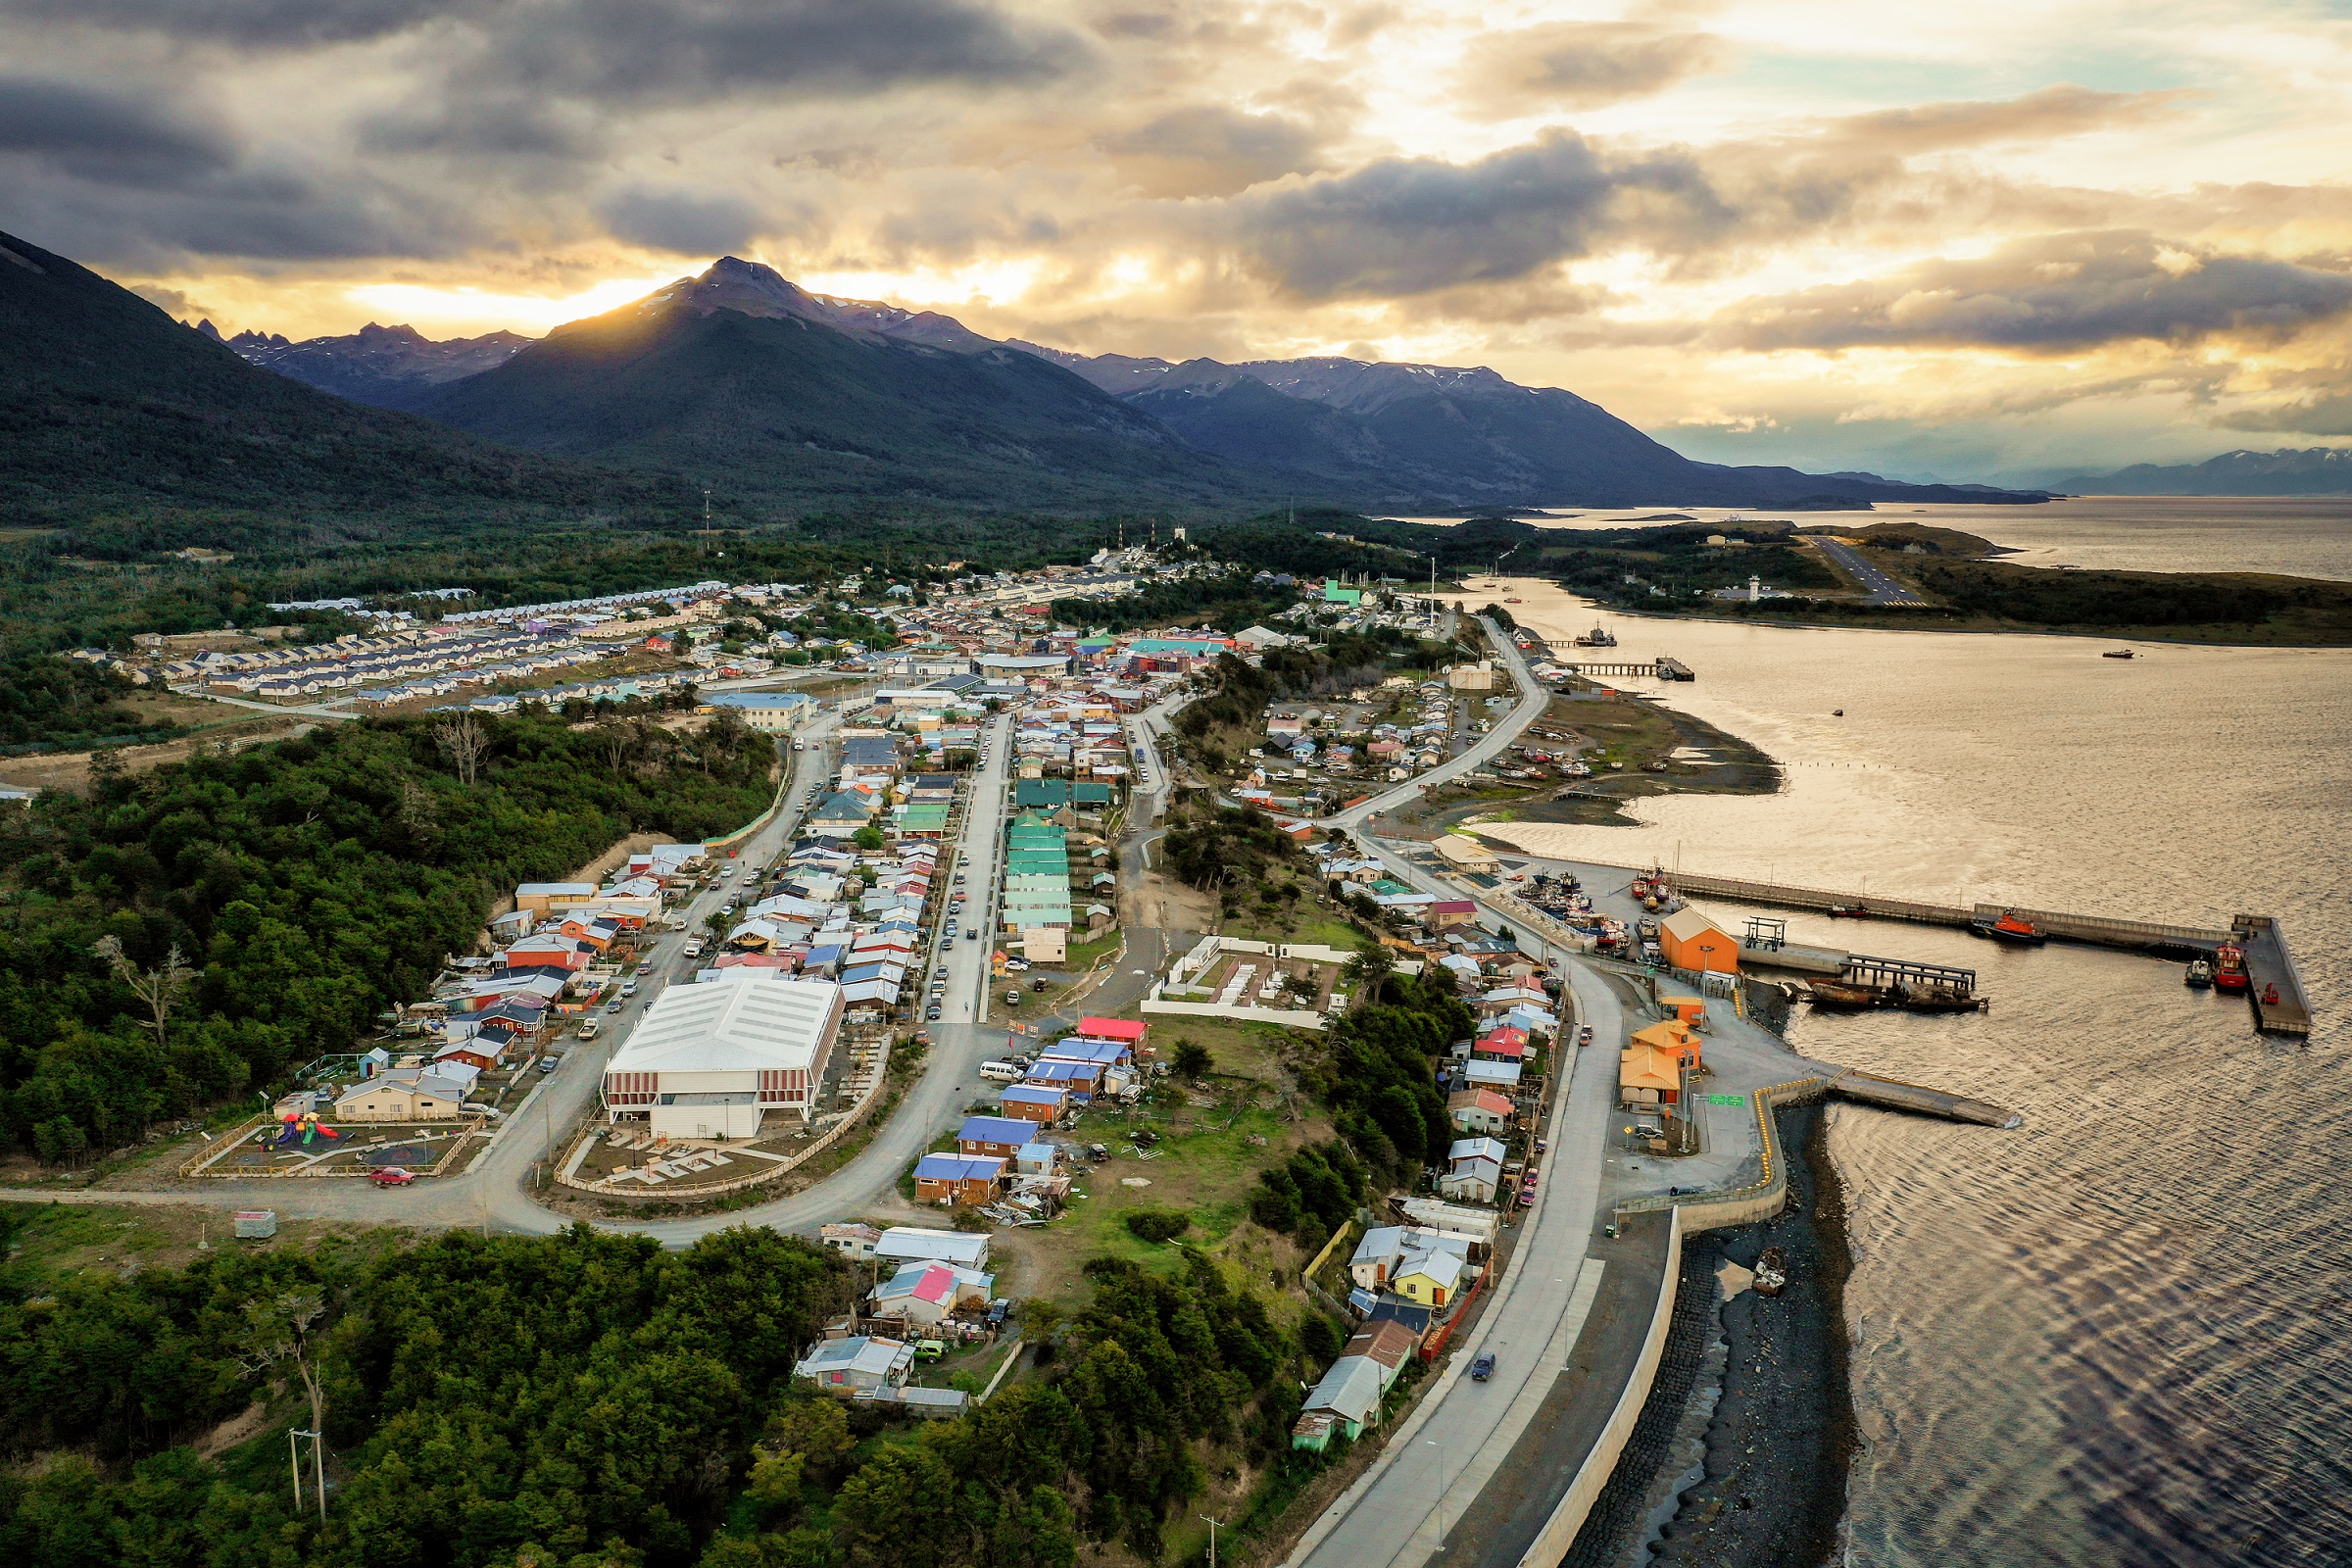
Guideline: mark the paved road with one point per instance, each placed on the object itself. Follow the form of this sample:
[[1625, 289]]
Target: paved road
[[1402, 1510], [1882, 589], [1534, 698]]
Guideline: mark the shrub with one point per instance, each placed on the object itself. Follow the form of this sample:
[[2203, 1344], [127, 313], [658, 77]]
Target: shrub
[[1155, 1224]]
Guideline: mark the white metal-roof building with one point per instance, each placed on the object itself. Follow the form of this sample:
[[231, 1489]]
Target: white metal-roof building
[[707, 1061]]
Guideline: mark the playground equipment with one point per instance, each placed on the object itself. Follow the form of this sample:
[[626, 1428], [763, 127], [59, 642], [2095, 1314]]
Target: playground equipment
[[300, 1129]]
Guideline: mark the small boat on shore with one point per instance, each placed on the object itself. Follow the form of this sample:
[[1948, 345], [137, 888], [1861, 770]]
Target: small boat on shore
[[2199, 976], [1772, 1272], [2229, 969], [2011, 929], [1936, 999], [2119, 653]]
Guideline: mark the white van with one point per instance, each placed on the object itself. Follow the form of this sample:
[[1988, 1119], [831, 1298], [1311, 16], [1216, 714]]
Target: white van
[[1000, 1073]]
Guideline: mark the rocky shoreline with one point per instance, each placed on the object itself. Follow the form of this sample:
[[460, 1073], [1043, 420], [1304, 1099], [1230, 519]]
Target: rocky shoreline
[[1740, 1454]]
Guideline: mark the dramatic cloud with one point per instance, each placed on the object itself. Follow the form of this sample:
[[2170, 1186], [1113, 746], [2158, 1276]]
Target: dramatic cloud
[[2064, 110], [684, 50], [2052, 294], [93, 134], [1769, 218], [1577, 65], [684, 223], [247, 23], [1210, 150], [1410, 225]]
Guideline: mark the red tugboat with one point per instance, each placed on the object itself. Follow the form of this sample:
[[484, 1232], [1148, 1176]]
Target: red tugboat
[[2010, 928], [2230, 969]]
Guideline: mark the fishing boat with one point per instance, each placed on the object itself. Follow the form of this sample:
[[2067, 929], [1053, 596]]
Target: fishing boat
[[2012, 929], [1849, 911], [1936, 999], [2199, 976], [1837, 997], [1599, 637], [2230, 969], [1772, 1272], [1514, 601], [2119, 653]]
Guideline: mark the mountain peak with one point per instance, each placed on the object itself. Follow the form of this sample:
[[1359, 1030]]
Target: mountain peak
[[750, 288]]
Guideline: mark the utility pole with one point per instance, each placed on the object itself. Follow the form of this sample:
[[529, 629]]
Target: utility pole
[[1213, 1524]]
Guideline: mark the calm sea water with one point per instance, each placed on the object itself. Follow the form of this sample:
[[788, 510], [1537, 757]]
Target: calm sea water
[[2305, 537], [2121, 1335]]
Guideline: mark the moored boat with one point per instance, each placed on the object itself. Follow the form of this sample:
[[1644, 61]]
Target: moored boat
[[2199, 976], [1849, 911], [2012, 928], [2119, 653], [1837, 997], [2230, 969]]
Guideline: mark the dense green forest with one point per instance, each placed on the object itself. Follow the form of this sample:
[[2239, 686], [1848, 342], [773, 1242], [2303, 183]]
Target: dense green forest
[[1228, 601], [588, 1401], [303, 885]]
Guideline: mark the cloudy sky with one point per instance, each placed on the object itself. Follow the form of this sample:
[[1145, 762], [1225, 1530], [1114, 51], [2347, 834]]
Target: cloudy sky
[[1999, 237]]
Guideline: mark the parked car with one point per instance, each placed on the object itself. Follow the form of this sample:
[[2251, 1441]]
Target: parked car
[[548, 1063], [1484, 1367], [590, 1028], [392, 1176], [931, 1014], [1012, 999], [1000, 1309], [930, 1349], [1016, 966], [628, 988], [694, 949], [614, 1005]]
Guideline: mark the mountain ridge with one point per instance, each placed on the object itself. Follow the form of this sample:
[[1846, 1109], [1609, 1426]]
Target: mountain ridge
[[2286, 471], [1379, 434]]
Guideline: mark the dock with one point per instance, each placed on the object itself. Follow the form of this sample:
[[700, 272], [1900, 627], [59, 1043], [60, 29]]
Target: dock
[[2277, 990], [1892, 1094], [1659, 669], [2281, 1004]]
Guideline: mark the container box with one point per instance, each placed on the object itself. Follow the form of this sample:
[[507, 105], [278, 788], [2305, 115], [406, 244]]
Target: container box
[[256, 1224]]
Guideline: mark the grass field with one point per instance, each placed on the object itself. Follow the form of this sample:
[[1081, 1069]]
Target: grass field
[[47, 1242], [1215, 1137]]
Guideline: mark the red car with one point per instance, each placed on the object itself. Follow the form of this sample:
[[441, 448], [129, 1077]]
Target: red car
[[392, 1176]]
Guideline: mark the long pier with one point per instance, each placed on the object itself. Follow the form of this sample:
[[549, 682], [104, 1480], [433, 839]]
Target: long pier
[[1659, 669], [2280, 1004]]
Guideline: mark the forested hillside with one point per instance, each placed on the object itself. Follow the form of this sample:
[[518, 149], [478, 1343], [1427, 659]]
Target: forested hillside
[[113, 415], [589, 1400], [306, 885]]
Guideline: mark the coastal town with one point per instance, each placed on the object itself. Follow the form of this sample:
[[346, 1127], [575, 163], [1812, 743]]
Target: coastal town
[[974, 999]]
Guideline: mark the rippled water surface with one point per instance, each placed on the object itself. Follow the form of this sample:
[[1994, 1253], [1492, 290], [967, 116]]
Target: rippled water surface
[[2123, 1334]]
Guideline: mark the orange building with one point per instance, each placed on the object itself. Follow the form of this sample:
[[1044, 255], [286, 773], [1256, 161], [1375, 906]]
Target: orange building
[[1692, 941]]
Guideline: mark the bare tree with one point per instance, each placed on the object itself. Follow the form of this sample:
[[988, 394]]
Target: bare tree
[[615, 741], [467, 740], [284, 1331], [159, 988]]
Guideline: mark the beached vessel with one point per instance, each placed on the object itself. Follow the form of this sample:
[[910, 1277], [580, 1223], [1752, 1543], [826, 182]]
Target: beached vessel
[[1772, 1272], [1837, 997]]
